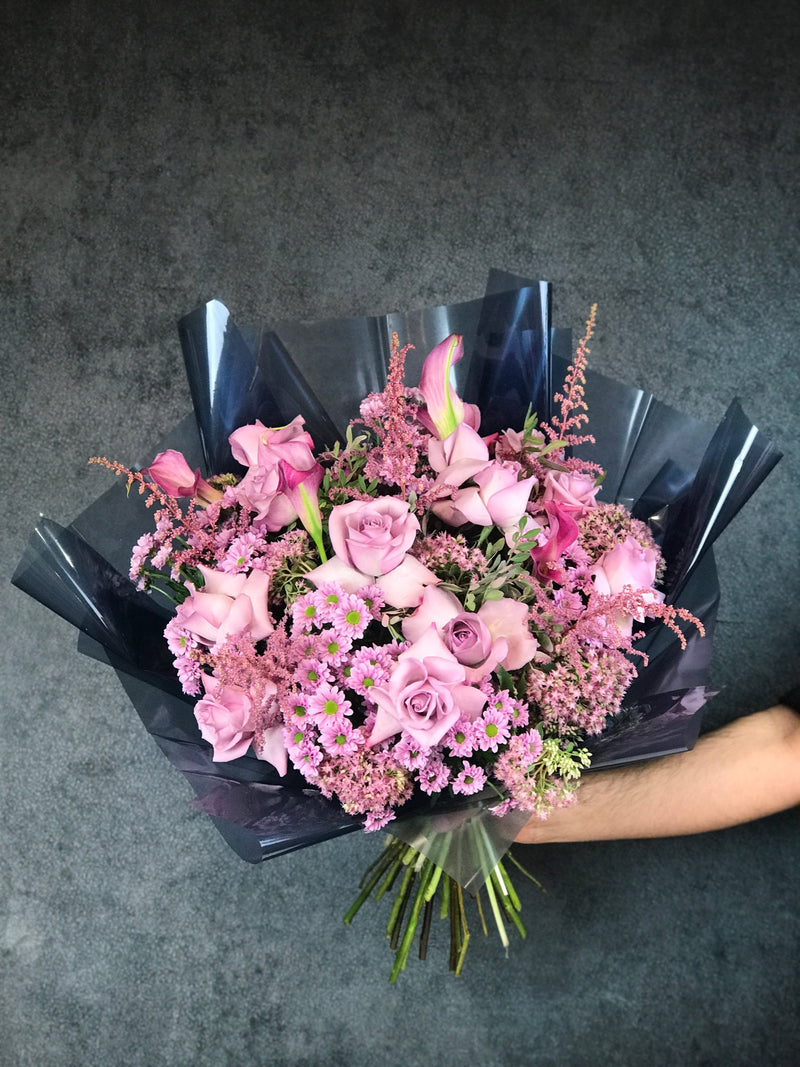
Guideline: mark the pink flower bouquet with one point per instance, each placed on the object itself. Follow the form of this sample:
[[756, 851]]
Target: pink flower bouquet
[[427, 622]]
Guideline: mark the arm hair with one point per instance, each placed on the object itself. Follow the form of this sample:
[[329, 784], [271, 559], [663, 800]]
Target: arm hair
[[743, 771]]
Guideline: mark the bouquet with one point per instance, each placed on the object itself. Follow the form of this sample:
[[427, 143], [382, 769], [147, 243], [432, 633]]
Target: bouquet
[[419, 624]]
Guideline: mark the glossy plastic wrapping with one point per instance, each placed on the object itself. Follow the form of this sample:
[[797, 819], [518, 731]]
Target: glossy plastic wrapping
[[673, 471]]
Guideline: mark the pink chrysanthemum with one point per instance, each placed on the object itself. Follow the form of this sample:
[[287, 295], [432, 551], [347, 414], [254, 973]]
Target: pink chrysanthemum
[[339, 739], [471, 779], [189, 675], [366, 671], [515, 711], [408, 754], [460, 739], [351, 616], [376, 820], [239, 556], [328, 705], [312, 671], [306, 757], [374, 598], [295, 711], [434, 776], [330, 593], [179, 640], [334, 645], [309, 612], [491, 729]]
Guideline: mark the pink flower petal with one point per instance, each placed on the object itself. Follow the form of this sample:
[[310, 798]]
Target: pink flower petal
[[273, 750], [404, 586], [437, 608], [445, 408]]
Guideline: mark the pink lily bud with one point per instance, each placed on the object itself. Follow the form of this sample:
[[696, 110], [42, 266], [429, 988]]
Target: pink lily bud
[[172, 473], [445, 408]]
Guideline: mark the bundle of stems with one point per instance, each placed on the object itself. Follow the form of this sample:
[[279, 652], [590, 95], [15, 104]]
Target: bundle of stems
[[417, 880]]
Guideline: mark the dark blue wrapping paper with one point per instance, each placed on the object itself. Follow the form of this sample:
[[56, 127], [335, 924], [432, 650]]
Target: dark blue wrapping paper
[[673, 471]]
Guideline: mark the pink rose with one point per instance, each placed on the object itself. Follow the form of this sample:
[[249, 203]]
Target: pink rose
[[497, 633], [466, 636], [627, 566], [225, 718], [271, 748], [460, 455], [373, 536], [499, 497], [507, 620], [512, 444], [278, 461], [171, 472], [370, 540], [228, 604], [426, 694], [571, 491]]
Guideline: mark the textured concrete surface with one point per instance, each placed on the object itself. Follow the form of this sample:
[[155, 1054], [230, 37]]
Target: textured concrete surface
[[311, 159]]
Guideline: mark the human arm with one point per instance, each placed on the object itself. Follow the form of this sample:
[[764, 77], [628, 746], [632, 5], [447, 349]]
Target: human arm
[[743, 771]]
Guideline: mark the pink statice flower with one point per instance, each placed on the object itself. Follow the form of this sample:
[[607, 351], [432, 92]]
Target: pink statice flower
[[515, 768], [364, 783]]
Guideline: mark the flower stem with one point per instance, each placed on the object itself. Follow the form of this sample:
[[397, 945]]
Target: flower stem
[[427, 917], [415, 899], [378, 868], [399, 907], [498, 919], [401, 956]]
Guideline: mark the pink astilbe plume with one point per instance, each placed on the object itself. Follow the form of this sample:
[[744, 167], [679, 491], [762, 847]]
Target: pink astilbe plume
[[573, 406], [401, 439]]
